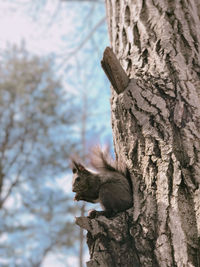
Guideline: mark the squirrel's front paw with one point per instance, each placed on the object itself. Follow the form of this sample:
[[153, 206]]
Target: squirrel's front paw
[[77, 197], [95, 213], [92, 214]]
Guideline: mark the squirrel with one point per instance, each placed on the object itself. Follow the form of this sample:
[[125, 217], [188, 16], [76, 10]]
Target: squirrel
[[110, 186]]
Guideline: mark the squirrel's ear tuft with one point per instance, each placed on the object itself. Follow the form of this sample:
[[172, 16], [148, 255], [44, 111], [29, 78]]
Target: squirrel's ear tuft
[[77, 166], [81, 167], [74, 164]]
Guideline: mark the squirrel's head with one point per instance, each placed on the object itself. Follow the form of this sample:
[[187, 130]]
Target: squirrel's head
[[81, 175]]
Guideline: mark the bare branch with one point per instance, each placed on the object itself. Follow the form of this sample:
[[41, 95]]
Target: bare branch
[[7, 134], [16, 181], [13, 184], [114, 71], [84, 41], [90, 1]]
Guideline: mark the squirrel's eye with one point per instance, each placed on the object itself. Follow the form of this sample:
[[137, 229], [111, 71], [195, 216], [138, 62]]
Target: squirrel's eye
[[74, 170], [78, 179]]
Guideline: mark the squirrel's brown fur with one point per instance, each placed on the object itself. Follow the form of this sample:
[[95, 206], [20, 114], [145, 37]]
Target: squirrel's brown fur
[[109, 185]]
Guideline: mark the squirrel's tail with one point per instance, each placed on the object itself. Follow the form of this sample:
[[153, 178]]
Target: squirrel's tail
[[101, 160]]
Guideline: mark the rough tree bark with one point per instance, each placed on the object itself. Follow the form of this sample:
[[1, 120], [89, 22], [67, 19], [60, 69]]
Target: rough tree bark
[[156, 129]]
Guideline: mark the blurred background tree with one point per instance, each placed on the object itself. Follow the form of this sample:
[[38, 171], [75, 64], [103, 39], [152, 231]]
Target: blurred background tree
[[35, 119], [35, 143], [53, 103]]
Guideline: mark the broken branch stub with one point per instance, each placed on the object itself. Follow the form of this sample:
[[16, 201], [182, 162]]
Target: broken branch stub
[[114, 71]]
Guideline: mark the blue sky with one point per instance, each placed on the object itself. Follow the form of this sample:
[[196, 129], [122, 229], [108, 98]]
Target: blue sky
[[42, 35], [57, 29]]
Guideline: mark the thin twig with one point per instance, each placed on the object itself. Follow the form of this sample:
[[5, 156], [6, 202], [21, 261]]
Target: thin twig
[[84, 41]]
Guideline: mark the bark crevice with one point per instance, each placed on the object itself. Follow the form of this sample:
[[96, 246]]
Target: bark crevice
[[156, 124]]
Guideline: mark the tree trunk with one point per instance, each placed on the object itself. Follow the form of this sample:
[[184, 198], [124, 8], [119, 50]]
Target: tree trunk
[[156, 129]]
